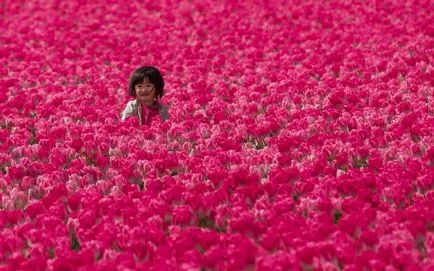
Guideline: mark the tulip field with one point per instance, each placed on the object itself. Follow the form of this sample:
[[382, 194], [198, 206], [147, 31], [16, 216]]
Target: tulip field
[[300, 136]]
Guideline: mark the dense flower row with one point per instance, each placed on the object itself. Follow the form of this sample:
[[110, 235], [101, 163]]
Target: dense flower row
[[300, 136]]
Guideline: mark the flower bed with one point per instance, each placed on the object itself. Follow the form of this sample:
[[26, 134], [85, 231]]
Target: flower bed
[[300, 136]]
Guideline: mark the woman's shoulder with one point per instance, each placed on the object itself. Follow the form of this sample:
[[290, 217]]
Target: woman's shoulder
[[132, 103], [130, 109]]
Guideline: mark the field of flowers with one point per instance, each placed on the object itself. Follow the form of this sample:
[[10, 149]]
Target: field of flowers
[[300, 136]]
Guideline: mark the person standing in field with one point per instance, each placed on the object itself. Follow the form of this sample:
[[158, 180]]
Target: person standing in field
[[147, 86]]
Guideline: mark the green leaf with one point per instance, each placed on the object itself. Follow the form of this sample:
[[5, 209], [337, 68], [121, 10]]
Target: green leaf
[[337, 215], [75, 245]]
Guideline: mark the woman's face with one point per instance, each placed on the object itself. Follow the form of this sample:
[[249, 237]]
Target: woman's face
[[145, 92]]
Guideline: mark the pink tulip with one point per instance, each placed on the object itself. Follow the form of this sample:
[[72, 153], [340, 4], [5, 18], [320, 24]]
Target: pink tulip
[[34, 209], [298, 138]]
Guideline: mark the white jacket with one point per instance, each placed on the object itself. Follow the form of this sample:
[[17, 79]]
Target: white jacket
[[134, 107]]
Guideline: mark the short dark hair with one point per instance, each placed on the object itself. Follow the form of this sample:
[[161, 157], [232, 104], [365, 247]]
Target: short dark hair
[[147, 72]]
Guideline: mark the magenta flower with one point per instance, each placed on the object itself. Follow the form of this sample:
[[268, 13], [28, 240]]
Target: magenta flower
[[299, 137]]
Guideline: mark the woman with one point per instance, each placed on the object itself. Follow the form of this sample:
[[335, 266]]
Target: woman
[[147, 86]]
